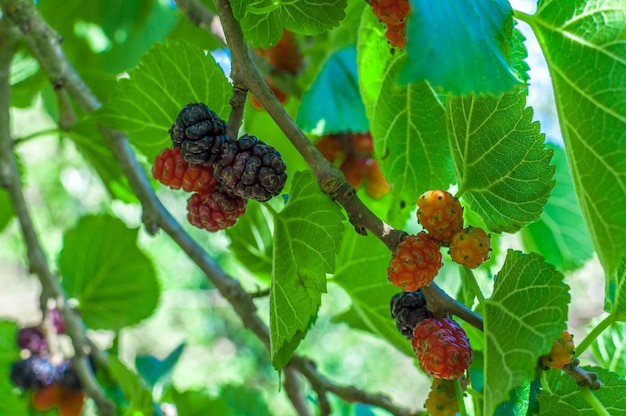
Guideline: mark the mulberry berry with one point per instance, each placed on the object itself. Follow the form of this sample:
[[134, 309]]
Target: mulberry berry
[[215, 211], [409, 309], [393, 13], [200, 133], [442, 348], [562, 352], [285, 55], [415, 263], [442, 399], [66, 376], [35, 372], [441, 214], [470, 247], [250, 168], [172, 170], [33, 339]]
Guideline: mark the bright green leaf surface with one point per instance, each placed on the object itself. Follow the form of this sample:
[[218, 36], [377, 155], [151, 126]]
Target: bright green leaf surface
[[501, 164], [306, 239], [362, 273], [138, 396], [166, 79], [333, 102], [585, 48], [526, 312], [262, 20], [6, 210], [373, 56], [609, 349], [558, 235], [566, 397], [462, 46], [102, 267], [615, 301], [196, 403], [517, 405], [251, 240], [409, 130], [243, 400], [10, 404]]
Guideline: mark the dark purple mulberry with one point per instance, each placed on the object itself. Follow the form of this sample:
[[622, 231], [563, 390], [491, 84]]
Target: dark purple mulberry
[[66, 376], [33, 339], [35, 372], [409, 309], [251, 169], [200, 133]]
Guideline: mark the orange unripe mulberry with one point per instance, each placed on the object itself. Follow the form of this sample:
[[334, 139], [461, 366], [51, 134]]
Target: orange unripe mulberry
[[442, 397], [415, 263], [562, 352], [440, 213], [470, 247]]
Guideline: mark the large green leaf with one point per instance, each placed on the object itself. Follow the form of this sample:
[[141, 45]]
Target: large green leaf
[[10, 404], [103, 269], [6, 210], [462, 46], [362, 273], [609, 349], [501, 164], [307, 234], [262, 20], [583, 42], [558, 235], [137, 395], [372, 57], [333, 104], [526, 312], [564, 397], [166, 79], [409, 130], [615, 301], [196, 403]]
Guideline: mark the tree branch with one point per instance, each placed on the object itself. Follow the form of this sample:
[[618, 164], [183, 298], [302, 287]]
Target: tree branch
[[43, 43], [294, 392], [51, 288]]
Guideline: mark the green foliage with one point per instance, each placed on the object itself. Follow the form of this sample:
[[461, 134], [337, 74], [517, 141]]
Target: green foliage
[[6, 210], [262, 20], [525, 313], [615, 301], [333, 104], [362, 273], [499, 158], [138, 397], [10, 404], [158, 372], [517, 405], [307, 235], [559, 235], [564, 397], [609, 349], [104, 270], [196, 403], [167, 78], [584, 47], [409, 124], [463, 46]]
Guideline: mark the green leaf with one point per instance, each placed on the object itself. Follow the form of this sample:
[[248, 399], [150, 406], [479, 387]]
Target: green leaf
[[362, 274], [373, 57], [244, 401], [6, 209], [558, 235], [566, 398], [615, 300], [196, 403], [609, 349], [262, 20], [501, 164], [10, 404], [167, 78], [251, 241], [333, 102], [461, 46], [409, 130], [583, 43], [517, 405], [155, 371], [526, 312], [103, 269], [138, 396], [307, 234]]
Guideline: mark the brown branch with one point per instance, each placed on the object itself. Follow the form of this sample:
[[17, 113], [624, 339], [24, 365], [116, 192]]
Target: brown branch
[[294, 392], [51, 288], [583, 378]]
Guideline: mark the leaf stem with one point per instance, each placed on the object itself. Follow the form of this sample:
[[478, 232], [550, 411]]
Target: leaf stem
[[594, 402], [471, 281], [36, 134], [544, 382], [595, 333], [458, 392], [524, 17]]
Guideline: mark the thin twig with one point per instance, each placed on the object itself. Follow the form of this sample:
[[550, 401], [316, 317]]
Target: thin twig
[[582, 377], [51, 289], [294, 391]]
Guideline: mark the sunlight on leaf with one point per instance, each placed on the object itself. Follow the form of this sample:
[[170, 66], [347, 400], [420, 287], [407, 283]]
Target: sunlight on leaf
[[306, 240], [585, 47], [526, 312]]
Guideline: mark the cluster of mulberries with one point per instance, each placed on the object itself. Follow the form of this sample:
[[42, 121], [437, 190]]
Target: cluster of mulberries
[[284, 58], [53, 379], [561, 354], [221, 174], [353, 153], [394, 14]]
